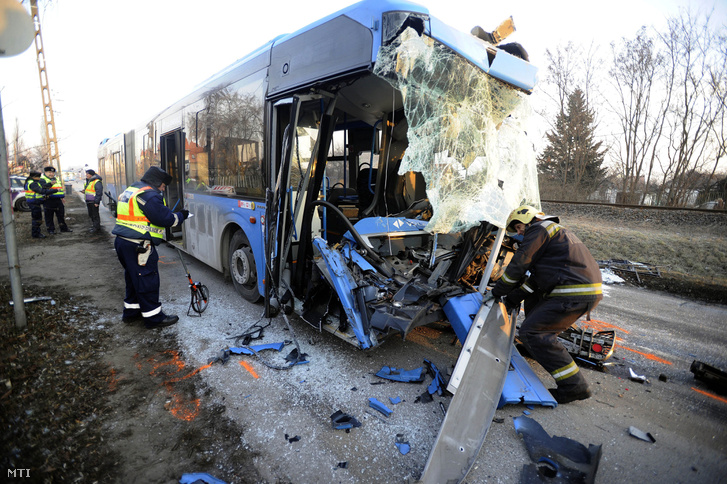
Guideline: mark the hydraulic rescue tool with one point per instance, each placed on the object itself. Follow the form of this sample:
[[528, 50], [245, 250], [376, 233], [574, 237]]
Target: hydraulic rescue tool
[[199, 293]]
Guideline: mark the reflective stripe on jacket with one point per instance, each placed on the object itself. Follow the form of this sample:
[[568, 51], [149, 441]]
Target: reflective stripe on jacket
[[92, 189], [54, 183], [560, 265], [130, 215], [30, 194]]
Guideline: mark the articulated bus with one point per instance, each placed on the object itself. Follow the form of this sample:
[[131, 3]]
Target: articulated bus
[[355, 171]]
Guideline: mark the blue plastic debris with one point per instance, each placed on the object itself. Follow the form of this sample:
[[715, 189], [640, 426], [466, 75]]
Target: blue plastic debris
[[402, 444], [460, 311], [343, 421], [377, 405], [525, 412], [294, 358], [438, 384], [397, 374], [394, 400], [250, 350], [199, 476], [522, 385]]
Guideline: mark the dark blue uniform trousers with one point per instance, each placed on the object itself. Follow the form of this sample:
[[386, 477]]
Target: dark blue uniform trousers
[[142, 283], [55, 206], [545, 319], [36, 217]]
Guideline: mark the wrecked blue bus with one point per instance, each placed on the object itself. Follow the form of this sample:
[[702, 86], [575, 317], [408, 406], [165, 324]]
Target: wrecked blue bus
[[355, 171]]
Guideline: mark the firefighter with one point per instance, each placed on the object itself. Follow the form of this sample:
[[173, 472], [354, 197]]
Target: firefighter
[[55, 203], [141, 218], [93, 191], [559, 281], [35, 193]]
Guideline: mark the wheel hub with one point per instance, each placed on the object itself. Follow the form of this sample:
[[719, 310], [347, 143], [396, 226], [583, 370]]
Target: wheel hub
[[240, 267]]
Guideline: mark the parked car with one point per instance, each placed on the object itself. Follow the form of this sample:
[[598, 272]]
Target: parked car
[[17, 193]]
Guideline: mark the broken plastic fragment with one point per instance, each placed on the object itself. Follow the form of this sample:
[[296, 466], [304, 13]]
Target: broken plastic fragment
[[296, 359], [249, 350], [394, 400], [569, 460], [640, 434], [402, 444], [522, 385], [438, 383], [342, 465], [377, 405], [398, 374], [222, 357], [343, 421], [714, 377], [197, 477], [292, 439], [635, 377]]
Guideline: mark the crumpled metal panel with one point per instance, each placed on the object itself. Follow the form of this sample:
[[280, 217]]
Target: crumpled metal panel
[[466, 134]]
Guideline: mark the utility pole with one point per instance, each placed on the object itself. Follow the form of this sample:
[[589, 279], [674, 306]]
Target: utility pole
[[50, 125], [15, 37]]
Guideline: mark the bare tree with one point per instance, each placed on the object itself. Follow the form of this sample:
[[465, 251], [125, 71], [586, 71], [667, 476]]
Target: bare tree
[[643, 94], [718, 84], [562, 73], [692, 50]]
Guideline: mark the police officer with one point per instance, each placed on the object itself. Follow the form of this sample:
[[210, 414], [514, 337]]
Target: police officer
[[140, 222], [93, 191], [564, 283], [35, 193], [54, 204]]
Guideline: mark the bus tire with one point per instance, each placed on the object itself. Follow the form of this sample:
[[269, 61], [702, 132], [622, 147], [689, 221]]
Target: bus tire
[[242, 268]]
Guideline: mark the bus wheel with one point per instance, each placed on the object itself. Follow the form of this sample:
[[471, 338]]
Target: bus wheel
[[242, 268]]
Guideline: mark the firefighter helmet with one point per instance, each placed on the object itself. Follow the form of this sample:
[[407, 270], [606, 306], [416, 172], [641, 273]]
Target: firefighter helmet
[[524, 214]]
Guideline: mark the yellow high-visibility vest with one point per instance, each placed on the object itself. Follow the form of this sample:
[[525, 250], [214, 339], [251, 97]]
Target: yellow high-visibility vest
[[55, 183], [129, 214]]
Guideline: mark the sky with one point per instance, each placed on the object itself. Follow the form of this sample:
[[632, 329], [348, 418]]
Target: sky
[[111, 65]]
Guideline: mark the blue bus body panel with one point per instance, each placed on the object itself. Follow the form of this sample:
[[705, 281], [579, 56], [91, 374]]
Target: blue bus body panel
[[344, 283], [522, 385], [213, 215], [385, 225], [460, 311], [505, 67]]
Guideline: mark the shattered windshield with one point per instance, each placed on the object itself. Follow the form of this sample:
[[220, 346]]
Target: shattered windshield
[[466, 134]]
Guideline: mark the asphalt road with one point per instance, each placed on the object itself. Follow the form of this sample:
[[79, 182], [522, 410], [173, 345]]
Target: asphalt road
[[285, 414], [658, 335]]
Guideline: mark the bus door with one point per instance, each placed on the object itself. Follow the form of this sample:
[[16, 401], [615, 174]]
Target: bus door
[[295, 181], [172, 159]]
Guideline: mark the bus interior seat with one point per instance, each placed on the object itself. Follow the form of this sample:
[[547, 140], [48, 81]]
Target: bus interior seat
[[346, 199], [364, 189]]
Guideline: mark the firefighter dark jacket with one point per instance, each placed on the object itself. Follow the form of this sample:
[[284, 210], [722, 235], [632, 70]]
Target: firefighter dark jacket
[[559, 264]]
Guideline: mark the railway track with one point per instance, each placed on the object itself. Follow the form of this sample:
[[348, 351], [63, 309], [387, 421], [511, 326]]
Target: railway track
[[637, 207]]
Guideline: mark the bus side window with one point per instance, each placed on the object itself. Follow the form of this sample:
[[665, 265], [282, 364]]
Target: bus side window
[[225, 130]]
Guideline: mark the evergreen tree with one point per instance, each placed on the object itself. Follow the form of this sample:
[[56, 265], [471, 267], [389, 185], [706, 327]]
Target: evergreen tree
[[570, 167]]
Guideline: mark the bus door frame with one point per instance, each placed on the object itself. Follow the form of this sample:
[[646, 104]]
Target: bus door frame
[[172, 161]]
